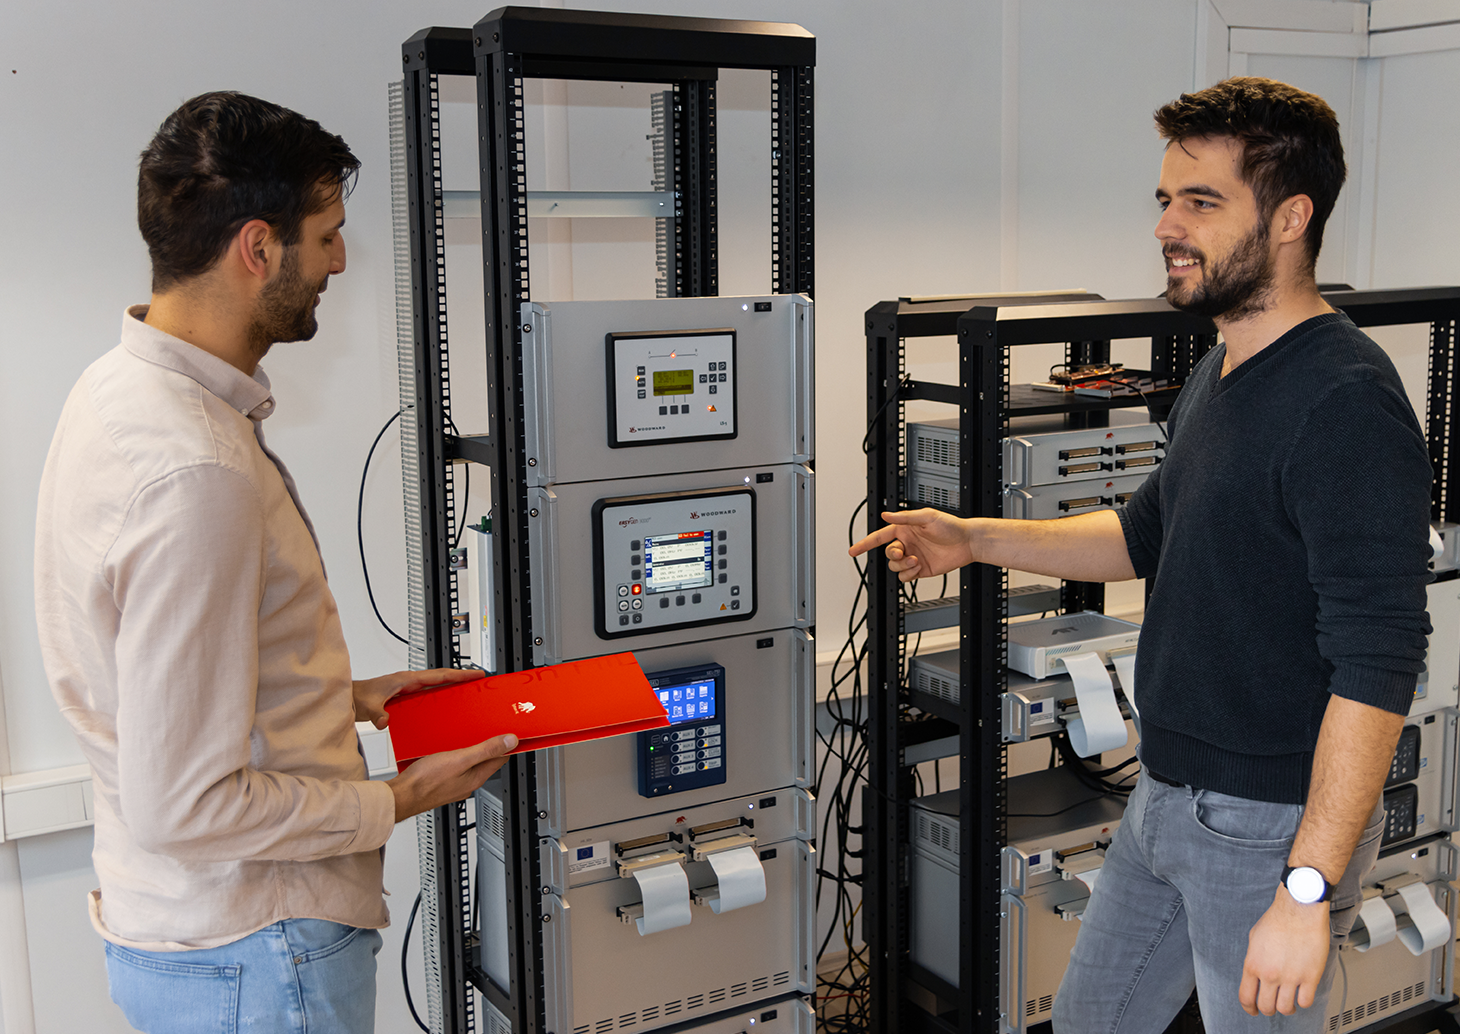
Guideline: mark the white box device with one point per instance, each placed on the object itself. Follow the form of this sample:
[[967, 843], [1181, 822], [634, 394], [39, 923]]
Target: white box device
[[1037, 648]]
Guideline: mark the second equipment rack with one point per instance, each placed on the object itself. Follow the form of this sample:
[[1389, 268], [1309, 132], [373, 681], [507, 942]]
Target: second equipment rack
[[986, 328]]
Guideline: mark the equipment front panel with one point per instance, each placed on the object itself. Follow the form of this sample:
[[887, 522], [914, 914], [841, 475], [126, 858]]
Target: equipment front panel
[[623, 564], [767, 736], [618, 389]]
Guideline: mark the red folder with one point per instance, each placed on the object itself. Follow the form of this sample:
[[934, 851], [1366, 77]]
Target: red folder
[[544, 707]]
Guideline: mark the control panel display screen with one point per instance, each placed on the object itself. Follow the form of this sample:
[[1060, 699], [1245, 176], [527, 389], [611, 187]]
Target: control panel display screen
[[682, 560], [674, 382], [691, 702], [690, 753]]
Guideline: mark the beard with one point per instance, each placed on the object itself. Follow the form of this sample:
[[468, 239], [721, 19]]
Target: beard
[[285, 308], [1238, 286]]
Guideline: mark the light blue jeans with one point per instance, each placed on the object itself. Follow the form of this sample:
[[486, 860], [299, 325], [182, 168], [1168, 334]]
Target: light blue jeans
[[1187, 875], [299, 976]]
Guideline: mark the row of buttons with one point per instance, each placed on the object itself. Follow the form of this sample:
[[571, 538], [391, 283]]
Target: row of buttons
[[698, 766], [638, 619], [713, 378], [716, 366], [680, 735], [700, 755]]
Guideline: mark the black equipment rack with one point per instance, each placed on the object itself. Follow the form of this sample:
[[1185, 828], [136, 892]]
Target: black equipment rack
[[905, 996], [508, 45]]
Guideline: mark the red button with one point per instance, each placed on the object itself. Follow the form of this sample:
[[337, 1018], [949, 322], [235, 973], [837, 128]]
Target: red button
[[637, 589]]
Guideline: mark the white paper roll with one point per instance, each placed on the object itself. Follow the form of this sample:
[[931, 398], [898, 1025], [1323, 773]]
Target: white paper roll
[[1125, 668], [741, 877], [1431, 926], [1376, 917], [666, 897], [1088, 877], [1100, 725]]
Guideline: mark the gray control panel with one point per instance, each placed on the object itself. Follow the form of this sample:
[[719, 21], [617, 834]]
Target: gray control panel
[[674, 561], [668, 386], [626, 389]]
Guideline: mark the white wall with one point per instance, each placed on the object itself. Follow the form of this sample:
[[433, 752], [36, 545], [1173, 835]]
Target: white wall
[[961, 147]]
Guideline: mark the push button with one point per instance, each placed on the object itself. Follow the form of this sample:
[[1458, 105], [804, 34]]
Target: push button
[[724, 564], [703, 378], [713, 389], [638, 604], [638, 619], [663, 410], [679, 601], [642, 393], [734, 604], [663, 602], [734, 590], [695, 598], [724, 578], [623, 590], [623, 619]]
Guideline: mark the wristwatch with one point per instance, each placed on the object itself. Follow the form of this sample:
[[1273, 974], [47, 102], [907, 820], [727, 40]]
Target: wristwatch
[[1306, 884]]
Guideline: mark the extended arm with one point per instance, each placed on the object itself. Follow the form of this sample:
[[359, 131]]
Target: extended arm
[[1088, 547], [1288, 948]]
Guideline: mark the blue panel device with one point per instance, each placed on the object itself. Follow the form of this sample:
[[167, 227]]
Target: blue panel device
[[690, 752]]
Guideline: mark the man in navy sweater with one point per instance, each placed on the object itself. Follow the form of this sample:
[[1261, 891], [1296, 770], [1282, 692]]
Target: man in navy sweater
[[1286, 535]]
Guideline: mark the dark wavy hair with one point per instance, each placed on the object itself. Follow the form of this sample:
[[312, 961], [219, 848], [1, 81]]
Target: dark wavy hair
[[1290, 142], [223, 159]]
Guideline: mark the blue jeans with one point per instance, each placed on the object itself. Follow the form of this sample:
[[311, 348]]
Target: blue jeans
[[301, 976], [1187, 875]]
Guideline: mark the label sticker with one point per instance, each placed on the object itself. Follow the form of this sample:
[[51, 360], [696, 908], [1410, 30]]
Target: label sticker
[[589, 856], [1041, 712], [1041, 861]]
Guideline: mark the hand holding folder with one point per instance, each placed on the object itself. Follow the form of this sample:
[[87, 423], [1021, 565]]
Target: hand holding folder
[[544, 707]]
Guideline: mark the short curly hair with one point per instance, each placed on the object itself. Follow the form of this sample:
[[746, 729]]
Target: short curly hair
[[223, 159], [1289, 138]]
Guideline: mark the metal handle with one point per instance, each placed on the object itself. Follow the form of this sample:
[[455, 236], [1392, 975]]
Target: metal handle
[[537, 383], [803, 398], [557, 941], [803, 705], [1450, 777], [803, 584], [543, 537], [804, 901], [1014, 927]]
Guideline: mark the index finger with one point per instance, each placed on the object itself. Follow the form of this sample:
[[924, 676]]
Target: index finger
[[881, 537]]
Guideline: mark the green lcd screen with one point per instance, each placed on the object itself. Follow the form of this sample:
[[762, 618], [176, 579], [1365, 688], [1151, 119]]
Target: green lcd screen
[[674, 382]]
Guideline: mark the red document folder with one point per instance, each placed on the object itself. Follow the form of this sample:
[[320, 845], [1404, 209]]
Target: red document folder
[[544, 707]]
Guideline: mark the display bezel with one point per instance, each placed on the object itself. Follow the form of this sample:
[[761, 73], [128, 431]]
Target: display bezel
[[612, 340], [600, 612], [714, 777]]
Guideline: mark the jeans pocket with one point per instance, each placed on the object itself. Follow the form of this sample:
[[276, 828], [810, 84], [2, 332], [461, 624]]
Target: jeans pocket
[[1245, 822], [162, 995], [312, 939]]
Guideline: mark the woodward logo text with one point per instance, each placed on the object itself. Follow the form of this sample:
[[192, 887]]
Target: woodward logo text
[[695, 515], [636, 430]]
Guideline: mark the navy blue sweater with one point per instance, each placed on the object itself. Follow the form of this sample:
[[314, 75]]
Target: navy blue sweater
[[1287, 534]]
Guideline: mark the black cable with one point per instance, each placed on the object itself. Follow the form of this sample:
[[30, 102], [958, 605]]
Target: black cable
[[360, 522], [405, 977], [360, 531], [872, 424]]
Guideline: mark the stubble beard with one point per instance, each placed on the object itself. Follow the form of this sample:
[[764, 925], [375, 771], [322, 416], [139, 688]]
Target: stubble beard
[[285, 308], [1239, 286]]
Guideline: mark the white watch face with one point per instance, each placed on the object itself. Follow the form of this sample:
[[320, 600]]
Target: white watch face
[[1305, 884]]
